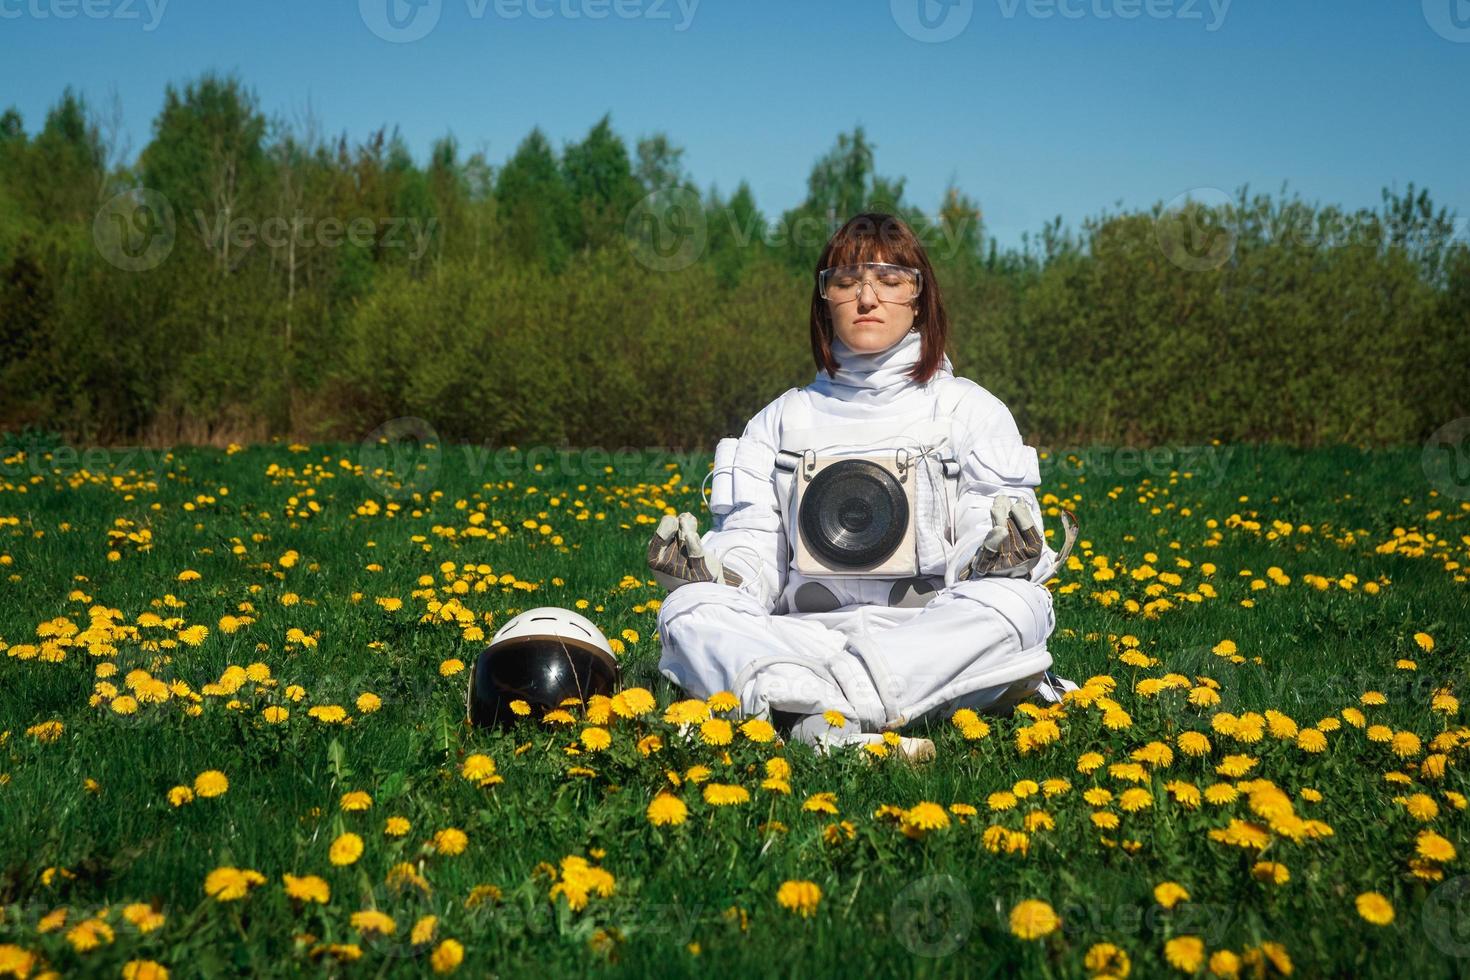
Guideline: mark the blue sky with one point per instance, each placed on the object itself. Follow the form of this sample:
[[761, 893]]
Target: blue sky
[[1034, 107]]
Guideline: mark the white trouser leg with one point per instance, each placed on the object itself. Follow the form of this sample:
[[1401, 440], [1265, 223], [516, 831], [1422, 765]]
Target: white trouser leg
[[717, 638], [972, 636]]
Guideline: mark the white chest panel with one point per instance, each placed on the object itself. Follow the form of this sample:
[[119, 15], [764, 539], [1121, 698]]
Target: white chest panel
[[917, 442]]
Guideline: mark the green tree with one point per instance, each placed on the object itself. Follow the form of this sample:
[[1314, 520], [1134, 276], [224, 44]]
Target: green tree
[[599, 179], [534, 204], [207, 156]]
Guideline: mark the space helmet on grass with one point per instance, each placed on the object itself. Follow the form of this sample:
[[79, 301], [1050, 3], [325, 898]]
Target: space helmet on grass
[[540, 656]]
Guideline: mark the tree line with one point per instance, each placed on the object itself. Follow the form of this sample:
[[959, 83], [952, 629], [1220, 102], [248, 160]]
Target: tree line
[[244, 277]]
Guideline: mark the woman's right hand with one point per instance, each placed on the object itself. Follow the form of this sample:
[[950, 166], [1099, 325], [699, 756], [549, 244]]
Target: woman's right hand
[[677, 556]]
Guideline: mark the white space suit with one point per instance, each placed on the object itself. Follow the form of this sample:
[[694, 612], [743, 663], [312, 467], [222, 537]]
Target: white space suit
[[882, 651]]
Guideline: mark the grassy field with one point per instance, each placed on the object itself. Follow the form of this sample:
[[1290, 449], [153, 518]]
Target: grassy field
[[232, 691]]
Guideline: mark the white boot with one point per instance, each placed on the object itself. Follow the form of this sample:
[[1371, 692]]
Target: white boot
[[816, 732]]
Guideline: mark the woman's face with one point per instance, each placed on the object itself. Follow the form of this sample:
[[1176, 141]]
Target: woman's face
[[867, 325]]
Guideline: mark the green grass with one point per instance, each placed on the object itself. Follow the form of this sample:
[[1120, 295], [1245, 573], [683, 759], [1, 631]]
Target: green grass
[[891, 905]]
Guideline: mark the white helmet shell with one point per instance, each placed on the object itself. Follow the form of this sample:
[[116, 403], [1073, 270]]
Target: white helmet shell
[[554, 621]]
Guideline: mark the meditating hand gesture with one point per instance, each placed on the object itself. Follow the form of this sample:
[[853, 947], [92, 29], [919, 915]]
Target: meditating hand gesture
[[677, 556]]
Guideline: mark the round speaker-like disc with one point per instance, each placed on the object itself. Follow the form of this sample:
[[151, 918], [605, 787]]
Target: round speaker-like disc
[[854, 513]]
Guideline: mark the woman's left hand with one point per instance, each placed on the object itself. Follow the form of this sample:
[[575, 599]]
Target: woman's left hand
[[1012, 547]]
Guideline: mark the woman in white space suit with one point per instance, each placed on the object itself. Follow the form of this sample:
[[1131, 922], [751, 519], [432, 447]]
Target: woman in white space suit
[[885, 596]]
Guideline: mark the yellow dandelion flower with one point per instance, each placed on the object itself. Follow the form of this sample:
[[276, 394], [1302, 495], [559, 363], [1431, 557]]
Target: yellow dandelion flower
[[211, 783], [226, 884], [1001, 800], [307, 888], [1236, 766], [1421, 806], [478, 768], [691, 711], [758, 730], [450, 841], [821, 803], [1433, 847], [715, 731], [1405, 745], [634, 702], [423, 930], [1033, 919], [1374, 908], [371, 921], [725, 794], [1170, 893], [346, 849], [1224, 963], [923, 817], [722, 701], [447, 956], [1185, 953], [665, 809], [1135, 799], [355, 801], [1107, 960], [1185, 794], [144, 917], [801, 897], [1272, 871]]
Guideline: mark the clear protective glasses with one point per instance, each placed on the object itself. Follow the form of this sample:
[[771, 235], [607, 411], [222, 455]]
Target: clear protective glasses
[[891, 283]]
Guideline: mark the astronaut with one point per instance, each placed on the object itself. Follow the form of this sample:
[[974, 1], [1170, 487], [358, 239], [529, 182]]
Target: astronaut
[[878, 547]]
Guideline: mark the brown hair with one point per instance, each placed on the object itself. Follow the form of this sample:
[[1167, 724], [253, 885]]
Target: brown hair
[[876, 237]]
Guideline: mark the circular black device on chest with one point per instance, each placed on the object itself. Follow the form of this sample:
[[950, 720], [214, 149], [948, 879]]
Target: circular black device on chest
[[854, 513]]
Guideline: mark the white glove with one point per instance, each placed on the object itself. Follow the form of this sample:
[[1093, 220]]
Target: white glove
[[677, 556], [1012, 547]]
